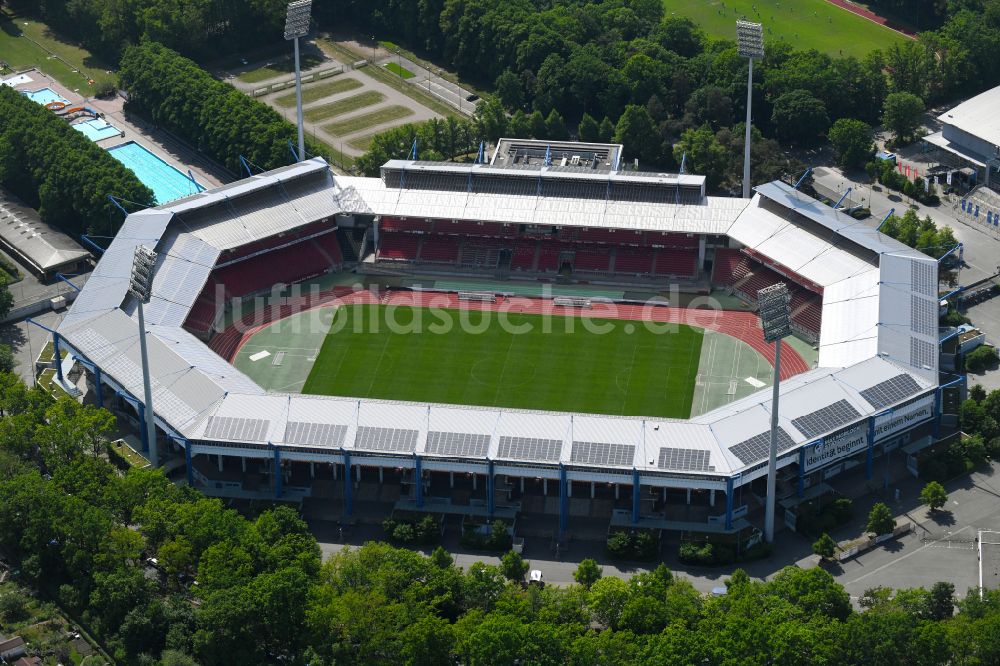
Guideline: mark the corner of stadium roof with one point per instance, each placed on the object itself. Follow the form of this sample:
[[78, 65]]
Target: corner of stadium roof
[[877, 348]]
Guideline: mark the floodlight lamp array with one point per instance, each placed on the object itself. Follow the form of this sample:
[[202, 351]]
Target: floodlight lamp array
[[297, 19], [141, 280], [775, 313], [749, 39]]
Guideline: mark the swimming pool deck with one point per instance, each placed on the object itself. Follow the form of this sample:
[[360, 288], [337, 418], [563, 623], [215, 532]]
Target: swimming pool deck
[[153, 139]]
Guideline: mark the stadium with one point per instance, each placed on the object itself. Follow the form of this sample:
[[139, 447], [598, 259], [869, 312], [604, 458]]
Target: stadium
[[277, 372]]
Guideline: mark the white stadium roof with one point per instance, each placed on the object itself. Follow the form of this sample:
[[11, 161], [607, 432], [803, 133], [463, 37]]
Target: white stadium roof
[[977, 116], [877, 343]]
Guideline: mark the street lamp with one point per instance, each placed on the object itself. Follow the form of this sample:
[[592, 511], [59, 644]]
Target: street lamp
[[749, 45], [775, 313], [140, 287], [297, 25]]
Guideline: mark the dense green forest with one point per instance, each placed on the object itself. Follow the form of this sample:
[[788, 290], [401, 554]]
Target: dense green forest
[[81, 531], [59, 171]]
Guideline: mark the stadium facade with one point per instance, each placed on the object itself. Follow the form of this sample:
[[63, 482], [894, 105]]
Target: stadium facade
[[875, 385]]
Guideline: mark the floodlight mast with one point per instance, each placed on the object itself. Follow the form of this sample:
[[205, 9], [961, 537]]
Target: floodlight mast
[[750, 45], [297, 25], [775, 318], [140, 287]]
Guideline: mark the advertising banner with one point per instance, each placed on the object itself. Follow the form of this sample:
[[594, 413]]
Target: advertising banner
[[835, 447], [904, 417]]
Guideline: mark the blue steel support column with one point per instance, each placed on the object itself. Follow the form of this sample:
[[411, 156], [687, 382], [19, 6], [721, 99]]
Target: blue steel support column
[[490, 481], [870, 459], [729, 503], [802, 473], [418, 481], [277, 473], [348, 504], [563, 502], [57, 356], [187, 462], [635, 496], [141, 408], [98, 386]]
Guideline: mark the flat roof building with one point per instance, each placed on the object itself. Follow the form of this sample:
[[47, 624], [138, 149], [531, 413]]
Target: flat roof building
[[540, 152], [971, 132], [39, 247]]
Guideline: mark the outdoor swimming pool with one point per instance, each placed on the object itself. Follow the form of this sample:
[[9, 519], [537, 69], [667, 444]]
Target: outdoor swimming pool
[[166, 182], [44, 96], [97, 129]]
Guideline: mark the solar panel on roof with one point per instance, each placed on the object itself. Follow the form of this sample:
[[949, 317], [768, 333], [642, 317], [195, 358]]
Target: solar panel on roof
[[236, 428], [826, 419], [529, 448], [385, 439], [891, 391], [463, 444], [603, 453], [695, 460], [302, 433], [756, 448]]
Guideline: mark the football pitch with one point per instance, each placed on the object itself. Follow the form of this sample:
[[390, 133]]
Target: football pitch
[[804, 24], [527, 361]]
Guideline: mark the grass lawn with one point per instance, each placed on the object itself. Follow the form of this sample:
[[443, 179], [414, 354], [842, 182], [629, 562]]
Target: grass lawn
[[557, 365], [25, 43], [804, 24], [340, 107], [277, 68], [362, 142], [130, 455], [313, 92], [366, 120], [399, 71]]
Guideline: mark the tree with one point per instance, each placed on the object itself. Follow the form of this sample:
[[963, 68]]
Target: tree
[[934, 495], [606, 130], [588, 130], [942, 602], [705, 155], [536, 121], [509, 90], [587, 573], [880, 520], [6, 301], [637, 132], [825, 546], [901, 114], [977, 393], [555, 126], [513, 566], [7, 360], [799, 117], [607, 599], [852, 139], [13, 607]]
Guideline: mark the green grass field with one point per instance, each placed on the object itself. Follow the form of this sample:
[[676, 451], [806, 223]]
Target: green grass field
[[805, 24], [399, 71], [629, 370], [283, 66], [362, 142], [342, 106], [366, 120], [316, 91], [25, 42]]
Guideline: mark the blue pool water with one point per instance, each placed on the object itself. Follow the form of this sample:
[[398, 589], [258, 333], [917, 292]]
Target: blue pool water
[[97, 129], [166, 182], [45, 95]]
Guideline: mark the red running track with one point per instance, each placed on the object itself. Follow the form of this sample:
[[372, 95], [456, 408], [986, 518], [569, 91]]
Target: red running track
[[864, 12], [744, 326]]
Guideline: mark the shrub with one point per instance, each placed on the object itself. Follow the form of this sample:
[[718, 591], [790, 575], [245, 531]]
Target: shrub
[[880, 520], [825, 546], [981, 358], [706, 554], [105, 89], [13, 607], [637, 545]]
